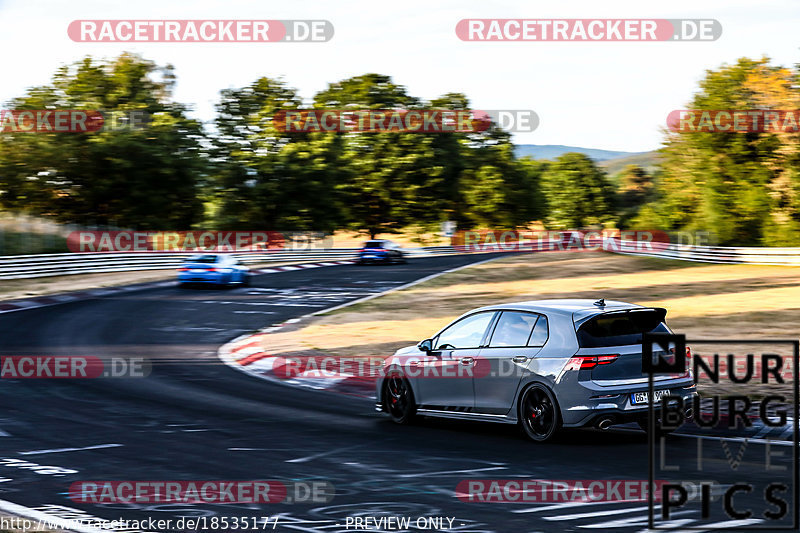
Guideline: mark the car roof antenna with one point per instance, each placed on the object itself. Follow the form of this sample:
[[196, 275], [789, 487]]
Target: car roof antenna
[[601, 302]]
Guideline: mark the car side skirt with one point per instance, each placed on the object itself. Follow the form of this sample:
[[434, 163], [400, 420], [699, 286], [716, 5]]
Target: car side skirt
[[461, 415]]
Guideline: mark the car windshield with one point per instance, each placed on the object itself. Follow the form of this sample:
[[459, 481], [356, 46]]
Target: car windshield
[[202, 259], [621, 329], [373, 244]]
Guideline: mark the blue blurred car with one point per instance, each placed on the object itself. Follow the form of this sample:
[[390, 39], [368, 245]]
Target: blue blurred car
[[381, 251], [214, 269]]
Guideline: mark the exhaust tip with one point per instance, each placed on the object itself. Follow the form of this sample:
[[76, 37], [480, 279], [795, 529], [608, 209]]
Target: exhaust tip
[[688, 413], [605, 423]]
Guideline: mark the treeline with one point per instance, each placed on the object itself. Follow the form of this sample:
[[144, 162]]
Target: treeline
[[241, 172], [742, 187]]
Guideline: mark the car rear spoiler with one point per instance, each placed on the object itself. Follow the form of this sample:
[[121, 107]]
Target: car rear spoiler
[[581, 317]]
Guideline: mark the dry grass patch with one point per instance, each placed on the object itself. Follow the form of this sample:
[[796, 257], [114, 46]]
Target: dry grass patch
[[703, 300]]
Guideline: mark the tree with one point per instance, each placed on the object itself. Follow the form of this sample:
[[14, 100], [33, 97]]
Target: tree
[[634, 189], [139, 178], [268, 178], [578, 193], [741, 187], [391, 175]]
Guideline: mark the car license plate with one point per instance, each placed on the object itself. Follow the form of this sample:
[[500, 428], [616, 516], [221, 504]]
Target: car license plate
[[369, 257], [641, 397], [197, 270]]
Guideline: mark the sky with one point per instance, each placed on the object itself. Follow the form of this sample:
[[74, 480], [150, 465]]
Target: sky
[[606, 95]]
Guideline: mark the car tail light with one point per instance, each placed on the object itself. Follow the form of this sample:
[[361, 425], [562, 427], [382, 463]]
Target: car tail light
[[587, 362], [182, 269], [688, 360], [211, 270], [688, 372]]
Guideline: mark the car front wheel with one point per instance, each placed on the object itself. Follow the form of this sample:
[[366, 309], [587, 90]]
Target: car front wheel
[[539, 414], [399, 399]]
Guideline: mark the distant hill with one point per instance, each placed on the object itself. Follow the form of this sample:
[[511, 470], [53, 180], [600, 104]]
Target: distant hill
[[611, 161], [647, 160], [552, 151]]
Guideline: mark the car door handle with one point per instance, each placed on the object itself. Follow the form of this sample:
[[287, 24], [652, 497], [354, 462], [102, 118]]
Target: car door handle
[[520, 359], [467, 360]]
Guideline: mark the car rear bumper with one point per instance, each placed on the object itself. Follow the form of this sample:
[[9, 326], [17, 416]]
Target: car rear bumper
[[384, 258], [619, 407], [197, 277]]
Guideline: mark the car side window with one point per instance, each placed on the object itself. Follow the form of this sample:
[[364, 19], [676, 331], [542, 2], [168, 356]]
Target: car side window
[[466, 333], [540, 332], [513, 329]]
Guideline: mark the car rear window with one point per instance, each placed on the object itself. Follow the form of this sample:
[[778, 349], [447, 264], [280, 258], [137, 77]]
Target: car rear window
[[202, 259], [374, 244], [620, 329]]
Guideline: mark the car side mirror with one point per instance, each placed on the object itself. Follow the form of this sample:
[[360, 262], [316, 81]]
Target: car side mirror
[[426, 346]]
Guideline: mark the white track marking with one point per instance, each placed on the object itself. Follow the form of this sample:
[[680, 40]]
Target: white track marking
[[44, 518], [62, 450], [469, 471], [669, 524], [631, 522], [567, 505], [592, 514], [718, 525], [323, 454]]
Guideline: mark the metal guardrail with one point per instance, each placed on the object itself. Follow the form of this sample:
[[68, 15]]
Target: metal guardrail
[[36, 266], [704, 254], [710, 254]]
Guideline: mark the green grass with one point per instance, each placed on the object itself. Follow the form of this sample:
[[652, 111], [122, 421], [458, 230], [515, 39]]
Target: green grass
[[20, 243]]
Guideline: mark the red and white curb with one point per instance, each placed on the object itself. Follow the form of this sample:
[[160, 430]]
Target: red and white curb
[[56, 299], [248, 354]]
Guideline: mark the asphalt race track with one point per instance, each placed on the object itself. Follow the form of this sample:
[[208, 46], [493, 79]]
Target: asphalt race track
[[194, 418]]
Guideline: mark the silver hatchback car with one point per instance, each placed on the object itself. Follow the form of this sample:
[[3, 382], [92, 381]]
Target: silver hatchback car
[[543, 364]]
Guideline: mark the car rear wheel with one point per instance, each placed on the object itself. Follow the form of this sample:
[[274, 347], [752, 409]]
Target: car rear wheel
[[399, 399], [539, 415]]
